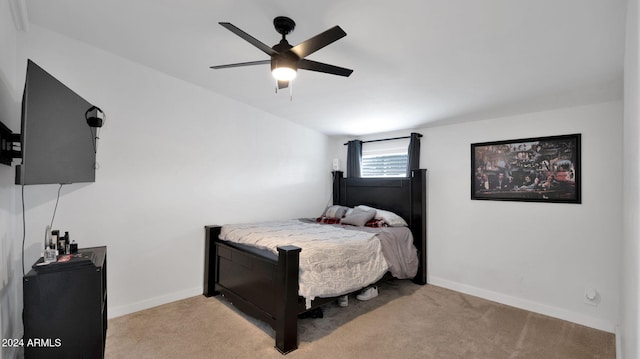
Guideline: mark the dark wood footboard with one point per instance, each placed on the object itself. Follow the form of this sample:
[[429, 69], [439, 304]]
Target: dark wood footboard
[[263, 286]]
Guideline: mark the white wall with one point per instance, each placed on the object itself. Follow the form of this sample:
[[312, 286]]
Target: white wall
[[537, 256], [630, 266], [10, 263], [173, 157]]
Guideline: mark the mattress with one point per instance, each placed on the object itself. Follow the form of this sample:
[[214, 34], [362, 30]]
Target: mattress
[[335, 259]]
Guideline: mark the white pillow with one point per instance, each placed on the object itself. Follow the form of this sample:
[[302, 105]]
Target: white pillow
[[388, 217]]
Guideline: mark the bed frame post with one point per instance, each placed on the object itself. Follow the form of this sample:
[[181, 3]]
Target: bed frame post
[[418, 221], [337, 186], [286, 325], [210, 257]]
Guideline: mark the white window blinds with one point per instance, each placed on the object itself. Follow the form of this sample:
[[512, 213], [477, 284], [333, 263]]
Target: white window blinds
[[385, 159]]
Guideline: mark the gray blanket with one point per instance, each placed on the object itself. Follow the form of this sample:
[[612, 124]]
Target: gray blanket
[[397, 248], [399, 251]]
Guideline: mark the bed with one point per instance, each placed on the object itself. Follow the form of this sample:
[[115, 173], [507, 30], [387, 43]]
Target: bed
[[265, 285]]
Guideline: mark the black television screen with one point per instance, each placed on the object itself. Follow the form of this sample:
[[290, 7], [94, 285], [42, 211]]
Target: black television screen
[[57, 143]]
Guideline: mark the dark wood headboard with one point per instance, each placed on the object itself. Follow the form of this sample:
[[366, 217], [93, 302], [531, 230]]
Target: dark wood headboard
[[406, 197]]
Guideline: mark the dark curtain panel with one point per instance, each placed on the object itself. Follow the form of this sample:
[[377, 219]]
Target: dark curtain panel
[[413, 160], [354, 158]]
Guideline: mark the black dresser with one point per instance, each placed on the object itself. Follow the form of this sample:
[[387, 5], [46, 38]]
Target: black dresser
[[65, 306]]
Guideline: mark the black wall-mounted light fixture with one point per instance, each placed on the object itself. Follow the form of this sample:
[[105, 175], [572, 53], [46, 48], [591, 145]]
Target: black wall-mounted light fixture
[[95, 119], [94, 116]]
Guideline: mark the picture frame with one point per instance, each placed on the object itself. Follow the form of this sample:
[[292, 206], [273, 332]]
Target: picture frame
[[538, 169]]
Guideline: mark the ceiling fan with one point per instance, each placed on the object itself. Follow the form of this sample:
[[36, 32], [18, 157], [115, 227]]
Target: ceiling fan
[[286, 59]]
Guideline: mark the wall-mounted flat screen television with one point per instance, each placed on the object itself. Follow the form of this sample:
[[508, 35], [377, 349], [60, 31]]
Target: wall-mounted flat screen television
[[57, 143]]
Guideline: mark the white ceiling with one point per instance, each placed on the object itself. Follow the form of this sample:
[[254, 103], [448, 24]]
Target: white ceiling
[[416, 62]]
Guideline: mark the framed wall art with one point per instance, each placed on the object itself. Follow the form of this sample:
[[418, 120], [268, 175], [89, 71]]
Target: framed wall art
[[541, 169]]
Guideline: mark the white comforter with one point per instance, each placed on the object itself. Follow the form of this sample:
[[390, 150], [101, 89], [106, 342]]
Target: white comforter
[[334, 261]]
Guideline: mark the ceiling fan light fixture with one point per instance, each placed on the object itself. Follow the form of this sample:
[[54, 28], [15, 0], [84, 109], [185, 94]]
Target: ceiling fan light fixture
[[284, 73], [286, 59]]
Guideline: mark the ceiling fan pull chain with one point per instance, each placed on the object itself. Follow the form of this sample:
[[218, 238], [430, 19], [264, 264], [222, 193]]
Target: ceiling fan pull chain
[[290, 91]]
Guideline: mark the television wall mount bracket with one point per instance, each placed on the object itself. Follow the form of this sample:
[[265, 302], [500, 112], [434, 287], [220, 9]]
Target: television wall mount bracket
[[10, 145]]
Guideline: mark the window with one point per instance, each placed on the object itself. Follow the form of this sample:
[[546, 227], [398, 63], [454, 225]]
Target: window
[[384, 166], [385, 159]]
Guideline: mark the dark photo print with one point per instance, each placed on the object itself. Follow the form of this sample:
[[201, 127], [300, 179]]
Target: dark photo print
[[543, 169]]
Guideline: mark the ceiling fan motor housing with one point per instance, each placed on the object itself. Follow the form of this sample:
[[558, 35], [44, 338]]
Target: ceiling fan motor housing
[[284, 58]]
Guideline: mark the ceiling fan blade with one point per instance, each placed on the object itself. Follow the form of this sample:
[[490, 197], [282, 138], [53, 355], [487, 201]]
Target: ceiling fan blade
[[322, 67], [283, 84], [319, 41], [240, 64], [252, 40]]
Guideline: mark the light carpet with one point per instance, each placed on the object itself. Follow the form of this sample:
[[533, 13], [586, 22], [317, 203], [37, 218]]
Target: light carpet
[[405, 321]]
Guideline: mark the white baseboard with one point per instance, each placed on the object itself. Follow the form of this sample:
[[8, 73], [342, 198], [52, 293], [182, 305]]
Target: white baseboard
[[152, 302], [525, 304]]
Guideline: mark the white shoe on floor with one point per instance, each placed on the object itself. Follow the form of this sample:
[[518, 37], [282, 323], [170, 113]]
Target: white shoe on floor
[[343, 301], [368, 293]]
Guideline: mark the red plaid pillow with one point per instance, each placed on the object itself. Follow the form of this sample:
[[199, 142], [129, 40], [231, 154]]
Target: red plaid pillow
[[376, 223], [328, 220]]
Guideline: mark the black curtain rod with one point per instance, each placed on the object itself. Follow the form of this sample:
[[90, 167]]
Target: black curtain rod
[[387, 139]]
